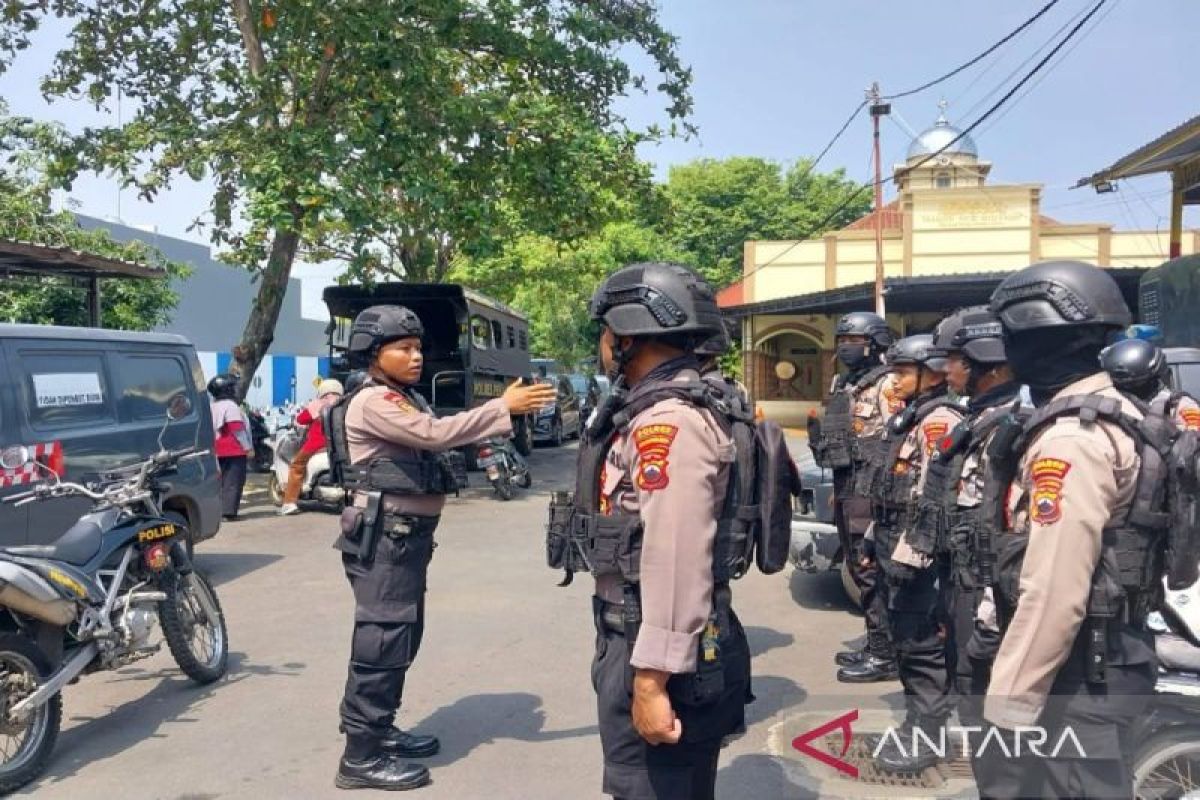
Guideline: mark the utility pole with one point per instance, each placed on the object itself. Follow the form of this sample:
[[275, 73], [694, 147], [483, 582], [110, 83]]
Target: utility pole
[[878, 109]]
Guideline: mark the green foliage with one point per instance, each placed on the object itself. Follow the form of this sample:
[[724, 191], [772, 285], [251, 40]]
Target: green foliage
[[552, 284], [26, 216], [719, 205], [388, 133]]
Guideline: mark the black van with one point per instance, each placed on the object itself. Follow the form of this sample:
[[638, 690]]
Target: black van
[[474, 345], [86, 401]]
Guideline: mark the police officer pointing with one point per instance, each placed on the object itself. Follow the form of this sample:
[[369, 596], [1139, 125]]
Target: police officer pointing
[[672, 664], [384, 445]]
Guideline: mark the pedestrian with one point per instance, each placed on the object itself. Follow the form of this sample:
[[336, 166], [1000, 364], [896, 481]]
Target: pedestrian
[[916, 622], [1078, 540], [672, 664], [233, 444], [951, 497], [861, 401], [384, 444], [329, 391]]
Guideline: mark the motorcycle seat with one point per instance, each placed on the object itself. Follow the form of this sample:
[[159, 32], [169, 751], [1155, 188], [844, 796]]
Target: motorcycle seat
[[77, 546]]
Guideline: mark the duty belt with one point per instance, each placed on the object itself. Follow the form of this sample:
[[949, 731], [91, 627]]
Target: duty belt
[[610, 616], [397, 526]]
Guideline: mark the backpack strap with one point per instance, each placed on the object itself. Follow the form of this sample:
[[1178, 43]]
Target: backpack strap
[[870, 376]]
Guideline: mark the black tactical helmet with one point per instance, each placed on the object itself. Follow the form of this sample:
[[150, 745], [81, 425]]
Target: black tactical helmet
[[378, 325], [223, 387], [975, 332], [865, 323], [1059, 294], [1134, 364], [655, 299], [717, 345], [919, 350]]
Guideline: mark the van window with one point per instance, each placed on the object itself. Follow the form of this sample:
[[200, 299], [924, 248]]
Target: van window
[[144, 384], [65, 389], [481, 333], [497, 335], [512, 336], [524, 340]]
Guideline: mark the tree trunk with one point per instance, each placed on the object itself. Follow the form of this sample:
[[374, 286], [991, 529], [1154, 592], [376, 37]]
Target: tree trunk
[[264, 314]]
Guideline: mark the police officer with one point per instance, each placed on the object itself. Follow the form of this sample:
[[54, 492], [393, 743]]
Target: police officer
[[672, 665], [1075, 652], [976, 367], [916, 621], [384, 440], [861, 402], [1139, 367]]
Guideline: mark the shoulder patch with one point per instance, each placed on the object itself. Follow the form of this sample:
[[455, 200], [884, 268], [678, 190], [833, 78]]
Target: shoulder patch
[[1045, 500], [895, 404], [933, 432], [401, 402], [1190, 418], [653, 444]]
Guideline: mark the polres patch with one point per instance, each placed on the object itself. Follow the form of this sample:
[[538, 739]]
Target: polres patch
[[933, 431], [1190, 418], [653, 444], [401, 402], [1045, 501]]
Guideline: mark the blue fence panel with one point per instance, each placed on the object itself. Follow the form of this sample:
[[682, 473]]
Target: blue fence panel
[[323, 366], [223, 362], [283, 376]]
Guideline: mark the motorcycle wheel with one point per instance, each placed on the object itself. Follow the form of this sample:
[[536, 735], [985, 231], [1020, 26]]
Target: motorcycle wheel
[[526, 480], [25, 747], [1168, 765], [503, 485], [276, 490], [199, 643], [264, 457]]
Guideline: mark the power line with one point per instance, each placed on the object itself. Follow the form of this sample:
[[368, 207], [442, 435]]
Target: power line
[[833, 141], [994, 108], [1011, 35]]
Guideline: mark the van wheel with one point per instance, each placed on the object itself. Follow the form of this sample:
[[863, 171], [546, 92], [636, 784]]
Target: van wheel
[[556, 433]]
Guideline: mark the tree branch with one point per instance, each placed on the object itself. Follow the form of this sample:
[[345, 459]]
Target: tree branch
[[253, 45]]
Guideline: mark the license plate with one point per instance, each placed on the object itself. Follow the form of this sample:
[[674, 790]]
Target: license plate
[[489, 461]]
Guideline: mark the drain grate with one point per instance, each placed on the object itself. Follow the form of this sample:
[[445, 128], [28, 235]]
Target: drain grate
[[954, 768]]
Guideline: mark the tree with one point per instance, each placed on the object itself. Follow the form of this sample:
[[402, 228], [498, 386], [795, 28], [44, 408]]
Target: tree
[[552, 284], [26, 216], [719, 205], [386, 132]]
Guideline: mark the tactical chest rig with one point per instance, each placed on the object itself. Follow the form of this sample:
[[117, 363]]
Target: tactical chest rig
[[943, 527], [891, 481], [837, 446], [1158, 534]]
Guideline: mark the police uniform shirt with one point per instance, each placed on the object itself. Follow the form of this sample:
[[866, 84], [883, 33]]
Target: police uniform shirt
[[671, 467], [919, 445], [384, 423], [873, 405], [1073, 478]]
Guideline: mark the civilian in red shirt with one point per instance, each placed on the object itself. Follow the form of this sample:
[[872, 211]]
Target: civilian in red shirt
[[328, 393], [233, 441]]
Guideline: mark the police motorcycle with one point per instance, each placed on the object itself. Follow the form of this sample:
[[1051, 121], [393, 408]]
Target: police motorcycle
[[89, 601], [505, 467], [318, 484]]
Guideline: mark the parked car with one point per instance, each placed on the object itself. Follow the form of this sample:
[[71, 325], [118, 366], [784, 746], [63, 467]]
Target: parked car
[[589, 391], [562, 419], [88, 401]]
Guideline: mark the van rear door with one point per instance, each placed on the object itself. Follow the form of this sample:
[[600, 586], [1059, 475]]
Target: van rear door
[[14, 520]]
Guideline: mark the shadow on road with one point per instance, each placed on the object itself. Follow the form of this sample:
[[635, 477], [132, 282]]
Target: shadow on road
[[758, 775], [772, 694], [94, 739], [224, 567], [482, 718], [820, 592], [763, 640]]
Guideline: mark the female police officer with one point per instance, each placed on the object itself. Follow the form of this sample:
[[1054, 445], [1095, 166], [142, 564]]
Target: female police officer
[[384, 442]]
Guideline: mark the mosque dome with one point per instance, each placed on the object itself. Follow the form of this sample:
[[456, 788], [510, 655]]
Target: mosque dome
[[937, 137]]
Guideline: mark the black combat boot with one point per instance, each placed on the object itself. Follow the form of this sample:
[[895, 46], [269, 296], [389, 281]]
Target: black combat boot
[[909, 751], [383, 771], [410, 745], [849, 658], [869, 670]]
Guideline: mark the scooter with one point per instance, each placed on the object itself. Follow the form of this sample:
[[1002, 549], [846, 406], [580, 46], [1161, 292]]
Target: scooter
[[261, 436], [317, 488], [504, 466]]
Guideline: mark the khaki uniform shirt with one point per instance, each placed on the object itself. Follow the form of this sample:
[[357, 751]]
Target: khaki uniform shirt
[[671, 467], [873, 406], [1072, 480], [919, 444], [384, 423]]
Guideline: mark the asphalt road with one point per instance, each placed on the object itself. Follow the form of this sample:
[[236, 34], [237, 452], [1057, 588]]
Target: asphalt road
[[502, 676]]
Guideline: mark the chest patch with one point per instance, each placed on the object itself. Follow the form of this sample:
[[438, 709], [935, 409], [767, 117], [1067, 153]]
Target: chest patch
[[653, 444], [1045, 502], [401, 402], [933, 432]]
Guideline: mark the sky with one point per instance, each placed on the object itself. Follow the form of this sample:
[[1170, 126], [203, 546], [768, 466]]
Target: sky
[[777, 78]]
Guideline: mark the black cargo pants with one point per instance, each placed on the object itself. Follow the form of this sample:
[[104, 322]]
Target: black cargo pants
[[852, 516], [389, 621], [635, 770], [918, 618]]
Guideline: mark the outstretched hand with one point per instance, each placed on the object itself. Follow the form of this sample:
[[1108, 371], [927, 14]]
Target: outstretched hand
[[523, 399]]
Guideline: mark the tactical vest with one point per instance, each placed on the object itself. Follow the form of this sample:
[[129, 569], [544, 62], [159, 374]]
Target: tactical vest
[[942, 527], [838, 445], [1160, 523], [749, 528], [428, 473]]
